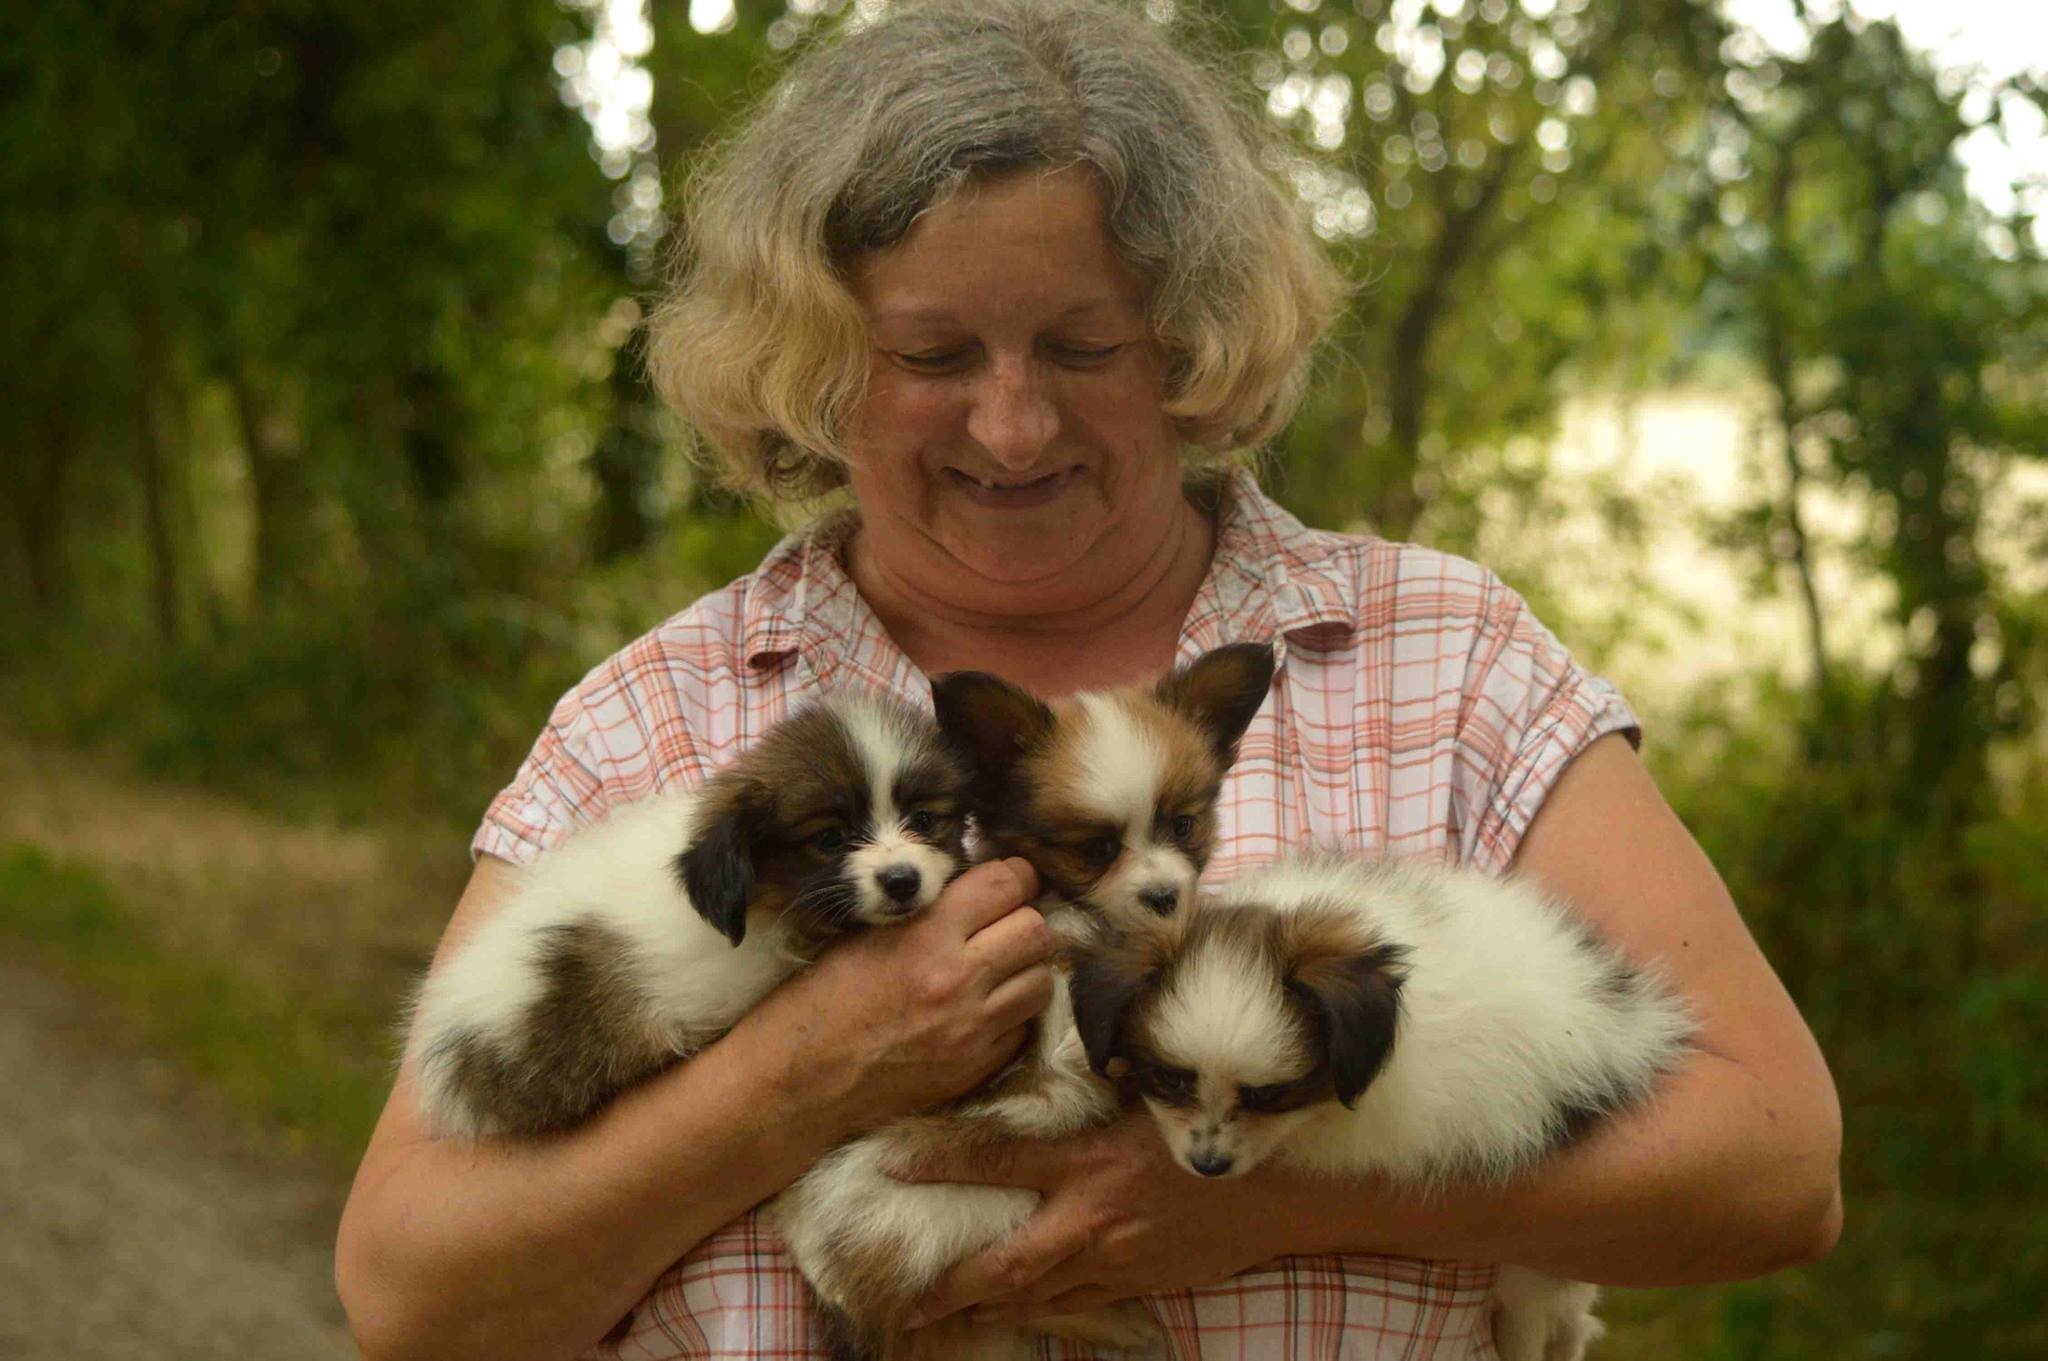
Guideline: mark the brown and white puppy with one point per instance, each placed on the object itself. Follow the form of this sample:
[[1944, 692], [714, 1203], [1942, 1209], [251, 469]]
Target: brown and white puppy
[[645, 936], [1425, 1023], [1112, 797]]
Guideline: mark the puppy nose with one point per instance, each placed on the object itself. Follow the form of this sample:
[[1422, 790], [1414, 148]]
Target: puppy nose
[[1211, 1164], [900, 882], [1159, 897]]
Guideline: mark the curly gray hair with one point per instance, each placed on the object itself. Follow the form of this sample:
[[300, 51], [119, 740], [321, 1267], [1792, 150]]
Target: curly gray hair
[[760, 345]]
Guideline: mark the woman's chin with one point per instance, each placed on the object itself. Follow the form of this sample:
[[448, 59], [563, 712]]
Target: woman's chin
[[1017, 555], [1020, 541]]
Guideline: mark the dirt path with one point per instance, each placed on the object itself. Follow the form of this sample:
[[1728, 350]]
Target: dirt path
[[140, 1218], [137, 1220]]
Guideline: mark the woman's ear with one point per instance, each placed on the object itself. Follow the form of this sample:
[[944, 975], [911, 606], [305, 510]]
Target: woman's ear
[[716, 869]]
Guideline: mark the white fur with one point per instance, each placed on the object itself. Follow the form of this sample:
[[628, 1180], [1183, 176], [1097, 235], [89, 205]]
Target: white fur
[[619, 873], [1509, 1015], [848, 1208], [848, 1203], [693, 983], [1122, 767], [1119, 762], [1504, 1019], [1217, 1026]]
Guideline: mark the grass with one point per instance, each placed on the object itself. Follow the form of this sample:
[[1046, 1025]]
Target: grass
[[308, 1066]]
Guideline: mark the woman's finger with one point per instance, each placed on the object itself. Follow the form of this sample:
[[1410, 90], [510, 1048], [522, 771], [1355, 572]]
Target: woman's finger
[[984, 895], [1007, 1269], [1015, 941], [1019, 997]]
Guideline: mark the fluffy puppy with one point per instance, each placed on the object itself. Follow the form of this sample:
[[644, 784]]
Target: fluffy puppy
[[645, 936], [1426, 1023], [1111, 796]]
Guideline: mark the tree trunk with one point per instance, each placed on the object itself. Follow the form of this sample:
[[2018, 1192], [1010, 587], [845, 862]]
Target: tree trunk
[[1777, 348], [269, 448], [626, 461], [152, 465], [39, 509]]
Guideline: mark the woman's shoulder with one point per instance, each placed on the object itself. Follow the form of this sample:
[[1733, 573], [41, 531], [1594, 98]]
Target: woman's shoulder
[[1359, 578], [723, 636], [709, 670]]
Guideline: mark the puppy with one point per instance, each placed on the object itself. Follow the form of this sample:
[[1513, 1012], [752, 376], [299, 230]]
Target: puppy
[[1111, 796], [647, 935], [1429, 1024]]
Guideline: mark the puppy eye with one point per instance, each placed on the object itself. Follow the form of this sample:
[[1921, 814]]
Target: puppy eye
[[1174, 1086], [1262, 1099], [830, 840], [1183, 827], [921, 823], [1099, 851]]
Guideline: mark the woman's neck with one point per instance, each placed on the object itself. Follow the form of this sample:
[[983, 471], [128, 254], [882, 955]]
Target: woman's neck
[[1112, 618]]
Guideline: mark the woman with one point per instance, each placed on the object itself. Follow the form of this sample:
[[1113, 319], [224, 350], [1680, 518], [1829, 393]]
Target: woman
[[1011, 274]]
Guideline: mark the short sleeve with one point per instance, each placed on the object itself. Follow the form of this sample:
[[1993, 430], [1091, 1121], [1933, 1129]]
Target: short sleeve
[[1526, 711], [614, 738]]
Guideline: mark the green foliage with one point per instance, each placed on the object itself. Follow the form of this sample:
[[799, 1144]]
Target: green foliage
[[1922, 974]]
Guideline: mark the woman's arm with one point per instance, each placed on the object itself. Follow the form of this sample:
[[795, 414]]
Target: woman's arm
[[1730, 1172], [533, 1249]]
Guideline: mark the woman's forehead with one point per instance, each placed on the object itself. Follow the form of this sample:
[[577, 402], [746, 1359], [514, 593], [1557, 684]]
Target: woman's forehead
[[1037, 240]]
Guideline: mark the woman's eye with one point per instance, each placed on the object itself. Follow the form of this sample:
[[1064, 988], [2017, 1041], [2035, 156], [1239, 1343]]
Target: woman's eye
[[830, 840], [922, 823], [930, 361], [1099, 851], [1262, 1098], [1183, 827], [1084, 354]]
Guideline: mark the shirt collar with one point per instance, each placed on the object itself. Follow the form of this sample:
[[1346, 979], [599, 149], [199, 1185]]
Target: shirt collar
[[1271, 577]]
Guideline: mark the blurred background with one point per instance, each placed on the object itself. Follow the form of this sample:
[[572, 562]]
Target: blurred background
[[1719, 329]]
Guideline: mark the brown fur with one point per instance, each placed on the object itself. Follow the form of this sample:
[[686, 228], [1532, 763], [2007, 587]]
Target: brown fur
[[1341, 988], [1024, 757], [753, 852], [583, 1042], [751, 856]]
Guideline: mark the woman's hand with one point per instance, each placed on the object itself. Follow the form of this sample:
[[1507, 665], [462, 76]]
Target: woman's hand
[[896, 1019], [1119, 1218]]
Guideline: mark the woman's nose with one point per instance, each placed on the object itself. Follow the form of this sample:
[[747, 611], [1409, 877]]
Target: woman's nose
[[1013, 417]]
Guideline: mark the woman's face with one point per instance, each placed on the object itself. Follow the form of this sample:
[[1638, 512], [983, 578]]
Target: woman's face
[[1013, 416]]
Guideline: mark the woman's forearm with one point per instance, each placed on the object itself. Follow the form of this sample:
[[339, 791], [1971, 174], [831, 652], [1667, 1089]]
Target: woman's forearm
[[531, 1251], [515, 1251], [1721, 1179]]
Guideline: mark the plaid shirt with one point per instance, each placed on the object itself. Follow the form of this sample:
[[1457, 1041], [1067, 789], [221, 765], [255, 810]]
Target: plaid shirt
[[1419, 710]]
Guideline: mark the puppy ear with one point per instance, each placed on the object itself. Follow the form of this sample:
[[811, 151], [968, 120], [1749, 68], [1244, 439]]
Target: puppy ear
[[1353, 988], [1221, 690], [989, 723], [1107, 977], [716, 870]]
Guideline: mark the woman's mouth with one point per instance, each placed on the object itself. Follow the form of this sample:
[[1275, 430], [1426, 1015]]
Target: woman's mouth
[[1005, 494]]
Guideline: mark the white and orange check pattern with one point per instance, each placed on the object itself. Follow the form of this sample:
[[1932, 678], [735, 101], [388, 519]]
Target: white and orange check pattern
[[1418, 710]]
